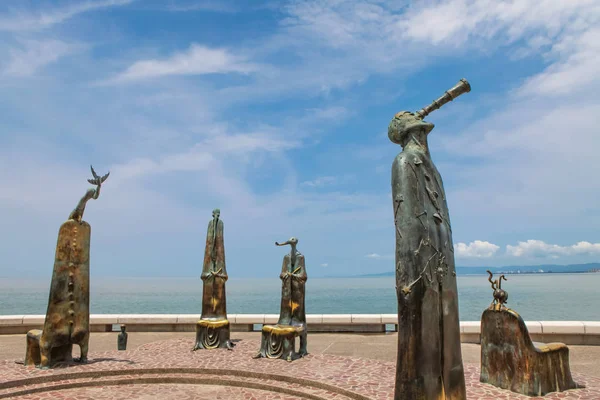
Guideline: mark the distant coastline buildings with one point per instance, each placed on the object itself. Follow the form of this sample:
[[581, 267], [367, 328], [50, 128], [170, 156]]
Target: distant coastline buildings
[[518, 271], [541, 271]]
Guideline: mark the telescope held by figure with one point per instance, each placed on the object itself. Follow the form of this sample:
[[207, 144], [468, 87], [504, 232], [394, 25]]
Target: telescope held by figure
[[461, 87]]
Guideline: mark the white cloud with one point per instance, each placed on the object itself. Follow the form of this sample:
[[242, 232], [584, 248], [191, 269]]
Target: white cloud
[[324, 265], [323, 181], [197, 60], [380, 36], [577, 62], [163, 155], [376, 256], [538, 248], [455, 22], [524, 166], [475, 249], [373, 255], [25, 20], [320, 181], [35, 54], [203, 156]]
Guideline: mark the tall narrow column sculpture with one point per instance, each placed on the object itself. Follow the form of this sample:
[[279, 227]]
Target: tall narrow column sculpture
[[68, 315], [278, 341], [212, 330], [429, 364]]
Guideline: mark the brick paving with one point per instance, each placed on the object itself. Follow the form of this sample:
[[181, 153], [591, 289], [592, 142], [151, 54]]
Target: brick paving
[[168, 369]]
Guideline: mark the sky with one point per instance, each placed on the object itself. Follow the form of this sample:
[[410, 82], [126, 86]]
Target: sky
[[276, 112]]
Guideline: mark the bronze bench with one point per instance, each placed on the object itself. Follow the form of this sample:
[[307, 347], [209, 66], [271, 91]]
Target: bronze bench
[[279, 341], [511, 360]]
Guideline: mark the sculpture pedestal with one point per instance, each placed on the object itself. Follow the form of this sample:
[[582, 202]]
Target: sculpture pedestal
[[34, 356], [212, 334], [279, 341], [67, 319], [510, 360], [32, 353]]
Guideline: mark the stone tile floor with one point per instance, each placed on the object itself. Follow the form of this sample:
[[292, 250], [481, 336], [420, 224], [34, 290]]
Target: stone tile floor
[[167, 369]]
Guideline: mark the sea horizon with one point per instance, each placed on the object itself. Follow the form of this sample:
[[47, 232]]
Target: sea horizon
[[532, 295]]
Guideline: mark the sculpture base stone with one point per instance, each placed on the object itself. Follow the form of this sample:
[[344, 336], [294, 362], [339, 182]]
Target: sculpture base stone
[[212, 334], [511, 360], [33, 352], [279, 341]]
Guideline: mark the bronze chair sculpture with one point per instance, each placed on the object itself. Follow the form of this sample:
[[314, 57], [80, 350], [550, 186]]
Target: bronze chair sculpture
[[278, 341], [212, 330], [511, 360], [68, 316]]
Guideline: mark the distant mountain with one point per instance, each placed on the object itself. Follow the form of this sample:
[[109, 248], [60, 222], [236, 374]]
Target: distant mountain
[[525, 269]]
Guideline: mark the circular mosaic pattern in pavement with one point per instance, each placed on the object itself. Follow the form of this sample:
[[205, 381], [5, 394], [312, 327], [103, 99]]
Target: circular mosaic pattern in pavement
[[170, 370]]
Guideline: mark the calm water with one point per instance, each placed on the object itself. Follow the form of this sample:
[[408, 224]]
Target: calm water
[[535, 297]]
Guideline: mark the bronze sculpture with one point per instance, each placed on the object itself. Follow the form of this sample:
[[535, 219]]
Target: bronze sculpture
[[429, 363], [68, 316], [500, 296], [212, 330], [122, 339], [278, 341], [511, 360]]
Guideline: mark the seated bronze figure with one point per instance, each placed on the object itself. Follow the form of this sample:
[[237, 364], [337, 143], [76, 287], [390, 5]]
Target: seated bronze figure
[[68, 315], [511, 360], [278, 341], [212, 330]]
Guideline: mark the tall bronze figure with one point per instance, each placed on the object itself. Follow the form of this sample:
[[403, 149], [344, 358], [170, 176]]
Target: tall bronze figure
[[212, 330], [429, 364], [278, 341], [68, 315]]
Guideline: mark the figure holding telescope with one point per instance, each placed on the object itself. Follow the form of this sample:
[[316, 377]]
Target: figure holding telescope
[[429, 363]]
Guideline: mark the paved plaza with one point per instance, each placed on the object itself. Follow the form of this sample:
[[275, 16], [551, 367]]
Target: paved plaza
[[161, 365]]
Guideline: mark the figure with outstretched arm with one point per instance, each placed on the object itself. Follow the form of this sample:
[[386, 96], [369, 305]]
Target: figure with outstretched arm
[[92, 193], [68, 314]]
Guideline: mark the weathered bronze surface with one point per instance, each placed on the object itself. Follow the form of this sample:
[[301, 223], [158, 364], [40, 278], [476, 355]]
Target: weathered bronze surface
[[429, 364], [68, 315], [460, 88], [278, 341], [500, 296], [511, 360], [212, 330], [122, 339]]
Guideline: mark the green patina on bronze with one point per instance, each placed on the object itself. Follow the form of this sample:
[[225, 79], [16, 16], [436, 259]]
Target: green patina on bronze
[[429, 362], [212, 331], [278, 341], [511, 360], [68, 316]]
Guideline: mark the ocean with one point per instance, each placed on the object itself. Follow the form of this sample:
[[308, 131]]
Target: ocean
[[547, 297]]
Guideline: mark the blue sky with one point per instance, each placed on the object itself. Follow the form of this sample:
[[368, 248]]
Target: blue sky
[[277, 113]]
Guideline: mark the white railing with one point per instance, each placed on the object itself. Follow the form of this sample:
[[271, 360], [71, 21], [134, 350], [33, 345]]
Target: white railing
[[570, 332]]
